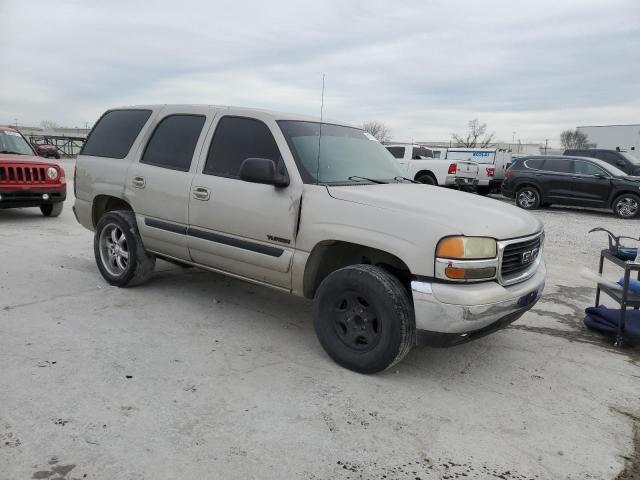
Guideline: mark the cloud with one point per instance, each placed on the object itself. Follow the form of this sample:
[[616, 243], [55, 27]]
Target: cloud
[[423, 67]]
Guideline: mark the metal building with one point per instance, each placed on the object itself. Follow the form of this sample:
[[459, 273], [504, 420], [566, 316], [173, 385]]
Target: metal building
[[623, 137]]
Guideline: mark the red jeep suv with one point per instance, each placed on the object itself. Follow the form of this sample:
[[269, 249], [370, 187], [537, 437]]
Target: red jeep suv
[[25, 180]]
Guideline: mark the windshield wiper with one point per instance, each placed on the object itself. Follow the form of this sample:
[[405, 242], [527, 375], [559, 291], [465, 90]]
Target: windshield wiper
[[12, 152], [356, 177], [400, 177]]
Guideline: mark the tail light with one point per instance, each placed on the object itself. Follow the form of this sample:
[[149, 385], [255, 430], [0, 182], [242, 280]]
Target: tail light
[[452, 169], [490, 171]]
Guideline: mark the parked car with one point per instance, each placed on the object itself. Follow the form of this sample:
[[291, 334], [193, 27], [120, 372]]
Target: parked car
[[586, 182], [25, 181], [624, 161], [419, 164], [492, 165], [46, 150], [316, 210]]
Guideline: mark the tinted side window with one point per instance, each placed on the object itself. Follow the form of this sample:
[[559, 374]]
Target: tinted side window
[[587, 168], [235, 140], [397, 152], [421, 153], [173, 142], [535, 163], [115, 132], [436, 153], [558, 165], [610, 158]]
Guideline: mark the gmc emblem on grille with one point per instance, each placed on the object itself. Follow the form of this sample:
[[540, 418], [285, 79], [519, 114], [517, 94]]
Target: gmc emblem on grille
[[529, 256]]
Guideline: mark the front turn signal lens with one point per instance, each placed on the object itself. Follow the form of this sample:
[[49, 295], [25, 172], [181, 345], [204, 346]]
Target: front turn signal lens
[[467, 248]]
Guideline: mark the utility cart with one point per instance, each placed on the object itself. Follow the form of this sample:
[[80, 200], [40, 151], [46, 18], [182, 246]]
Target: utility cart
[[623, 296]]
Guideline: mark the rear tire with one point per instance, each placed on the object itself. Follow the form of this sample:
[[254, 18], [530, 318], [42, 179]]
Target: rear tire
[[427, 179], [52, 209], [626, 205], [528, 198], [120, 254], [364, 318]]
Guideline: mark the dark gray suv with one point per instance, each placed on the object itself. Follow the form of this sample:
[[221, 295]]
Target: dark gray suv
[[625, 161]]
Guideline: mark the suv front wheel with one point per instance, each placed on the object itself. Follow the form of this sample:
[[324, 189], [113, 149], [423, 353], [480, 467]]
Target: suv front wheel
[[627, 205], [120, 254], [364, 318]]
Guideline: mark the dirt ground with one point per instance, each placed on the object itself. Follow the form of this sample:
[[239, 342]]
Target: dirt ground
[[195, 375]]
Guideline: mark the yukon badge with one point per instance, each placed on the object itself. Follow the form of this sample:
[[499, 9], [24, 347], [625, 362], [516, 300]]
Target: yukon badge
[[273, 238]]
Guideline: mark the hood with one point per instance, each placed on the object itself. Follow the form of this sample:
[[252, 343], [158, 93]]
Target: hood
[[460, 212], [6, 158]]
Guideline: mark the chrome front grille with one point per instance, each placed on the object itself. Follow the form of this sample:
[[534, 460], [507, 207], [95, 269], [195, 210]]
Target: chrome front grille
[[519, 258]]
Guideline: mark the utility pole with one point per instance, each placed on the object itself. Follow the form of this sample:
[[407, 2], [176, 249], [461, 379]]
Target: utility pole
[[546, 144]]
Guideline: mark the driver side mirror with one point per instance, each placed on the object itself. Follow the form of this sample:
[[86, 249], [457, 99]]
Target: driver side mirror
[[262, 170], [620, 163]]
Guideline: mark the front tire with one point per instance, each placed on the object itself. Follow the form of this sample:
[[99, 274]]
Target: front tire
[[627, 205], [120, 254], [52, 209], [364, 318], [528, 198]]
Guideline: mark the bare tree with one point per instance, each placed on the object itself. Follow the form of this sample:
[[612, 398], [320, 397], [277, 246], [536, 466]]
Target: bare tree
[[378, 130], [573, 139], [475, 137], [49, 125]]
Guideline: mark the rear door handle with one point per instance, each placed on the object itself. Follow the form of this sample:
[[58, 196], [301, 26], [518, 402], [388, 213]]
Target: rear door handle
[[201, 193], [138, 182]]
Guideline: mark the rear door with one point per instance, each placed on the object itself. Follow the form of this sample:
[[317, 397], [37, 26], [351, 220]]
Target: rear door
[[246, 229], [591, 184], [556, 180], [158, 184]]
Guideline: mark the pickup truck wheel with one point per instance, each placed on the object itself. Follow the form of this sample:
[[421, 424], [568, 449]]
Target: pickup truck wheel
[[51, 209], [528, 198], [627, 205], [120, 254], [364, 318], [427, 179]]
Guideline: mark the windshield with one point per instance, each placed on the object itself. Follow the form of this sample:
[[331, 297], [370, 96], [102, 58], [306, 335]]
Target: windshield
[[13, 142], [344, 152], [631, 158]]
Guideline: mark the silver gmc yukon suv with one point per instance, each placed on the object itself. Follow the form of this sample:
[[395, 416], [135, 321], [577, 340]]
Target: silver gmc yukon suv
[[319, 210]]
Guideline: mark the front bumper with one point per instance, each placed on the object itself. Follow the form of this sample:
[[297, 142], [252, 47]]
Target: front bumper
[[31, 197], [449, 314]]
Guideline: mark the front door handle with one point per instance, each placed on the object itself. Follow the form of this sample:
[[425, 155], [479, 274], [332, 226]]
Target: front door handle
[[201, 193], [138, 182]]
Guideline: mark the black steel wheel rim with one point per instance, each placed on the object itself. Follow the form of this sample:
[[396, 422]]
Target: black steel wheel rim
[[356, 322]]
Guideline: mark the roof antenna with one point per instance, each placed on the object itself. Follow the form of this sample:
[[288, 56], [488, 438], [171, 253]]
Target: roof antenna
[[320, 134]]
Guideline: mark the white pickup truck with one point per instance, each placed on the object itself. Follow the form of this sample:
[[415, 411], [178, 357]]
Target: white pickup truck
[[419, 164], [492, 165]]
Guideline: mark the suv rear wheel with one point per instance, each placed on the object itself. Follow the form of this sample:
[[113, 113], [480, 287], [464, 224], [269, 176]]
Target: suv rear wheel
[[528, 198], [364, 318], [120, 254], [626, 205]]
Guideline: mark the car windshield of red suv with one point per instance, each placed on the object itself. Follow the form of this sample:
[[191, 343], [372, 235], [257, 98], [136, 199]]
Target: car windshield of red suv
[[13, 142]]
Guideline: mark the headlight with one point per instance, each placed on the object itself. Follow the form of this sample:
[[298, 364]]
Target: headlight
[[466, 259], [52, 173], [467, 248]]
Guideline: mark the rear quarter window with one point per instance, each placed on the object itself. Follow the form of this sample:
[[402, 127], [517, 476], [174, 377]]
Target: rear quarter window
[[534, 163], [115, 133]]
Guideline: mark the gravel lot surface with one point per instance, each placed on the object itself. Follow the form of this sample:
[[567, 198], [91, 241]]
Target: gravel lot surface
[[196, 375]]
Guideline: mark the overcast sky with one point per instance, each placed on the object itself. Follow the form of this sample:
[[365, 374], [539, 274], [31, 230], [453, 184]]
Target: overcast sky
[[423, 67]]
